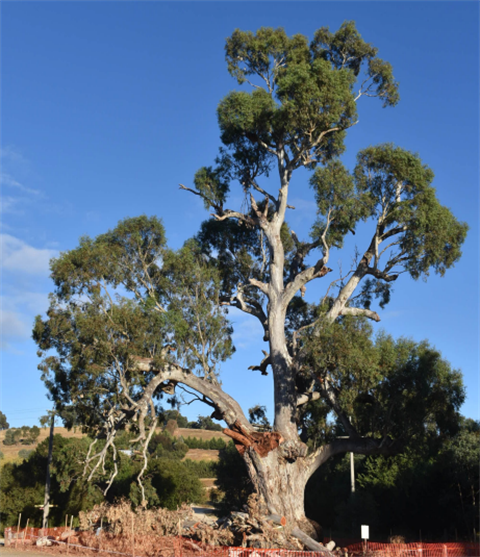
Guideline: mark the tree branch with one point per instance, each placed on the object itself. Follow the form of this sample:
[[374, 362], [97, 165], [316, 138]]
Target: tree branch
[[361, 445], [262, 368], [307, 397], [360, 311], [226, 406]]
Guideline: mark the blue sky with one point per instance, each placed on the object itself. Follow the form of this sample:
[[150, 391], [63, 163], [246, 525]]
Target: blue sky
[[108, 106]]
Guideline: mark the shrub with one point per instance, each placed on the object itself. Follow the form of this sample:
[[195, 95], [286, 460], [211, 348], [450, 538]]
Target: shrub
[[202, 468], [216, 443]]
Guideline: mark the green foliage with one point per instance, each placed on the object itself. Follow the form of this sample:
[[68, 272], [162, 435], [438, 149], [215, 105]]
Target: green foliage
[[210, 184], [168, 415], [392, 186], [165, 446], [399, 185], [395, 389], [458, 467], [2, 456], [3, 421], [306, 93], [347, 49], [430, 487], [22, 485], [92, 335], [300, 100], [205, 422], [258, 415], [170, 481], [169, 485], [233, 479], [24, 453], [216, 443], [202, 468], [11, 437]]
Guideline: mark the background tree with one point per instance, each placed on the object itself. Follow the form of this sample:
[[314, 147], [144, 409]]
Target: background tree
[[24, 435], [3, 421], [114, 356], [258, 416], [459, 481], [205, 422]]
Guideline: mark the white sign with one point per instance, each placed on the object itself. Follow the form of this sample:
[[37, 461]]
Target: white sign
[[365, 534]]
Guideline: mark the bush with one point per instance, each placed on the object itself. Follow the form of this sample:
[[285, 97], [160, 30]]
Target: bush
[[165, 446], [233, 479], [25, 453], [24, 435], [202, 468], [216, 443], [170, 483], [11, 437]]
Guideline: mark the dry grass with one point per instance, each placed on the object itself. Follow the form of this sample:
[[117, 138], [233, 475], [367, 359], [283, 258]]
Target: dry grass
[[200, 434], [11, 451], [208, 483], [202, 454]]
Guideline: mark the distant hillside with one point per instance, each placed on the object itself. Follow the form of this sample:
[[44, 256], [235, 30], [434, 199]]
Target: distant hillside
[[11, 451]]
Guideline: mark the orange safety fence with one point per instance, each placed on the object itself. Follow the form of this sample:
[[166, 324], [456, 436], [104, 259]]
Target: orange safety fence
[[418, 549], [184, 547]]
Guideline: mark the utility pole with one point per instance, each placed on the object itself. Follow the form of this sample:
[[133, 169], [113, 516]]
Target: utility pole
[[352, 466], [352, 473], [46, 501]]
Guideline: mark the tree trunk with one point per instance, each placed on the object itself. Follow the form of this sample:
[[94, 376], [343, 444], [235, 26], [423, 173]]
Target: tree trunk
[[280, 483]]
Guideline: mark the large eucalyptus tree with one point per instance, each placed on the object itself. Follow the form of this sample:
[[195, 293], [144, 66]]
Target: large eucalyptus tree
[[167, 329]]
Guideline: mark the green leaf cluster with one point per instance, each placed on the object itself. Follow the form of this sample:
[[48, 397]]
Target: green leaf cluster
[[390, 389], [123, 296], [394, 188]]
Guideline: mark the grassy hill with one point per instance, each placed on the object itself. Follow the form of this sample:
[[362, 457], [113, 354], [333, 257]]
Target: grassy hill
[[11, 451]]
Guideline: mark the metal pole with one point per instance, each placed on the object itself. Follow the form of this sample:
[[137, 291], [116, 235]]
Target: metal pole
[[352, 473]]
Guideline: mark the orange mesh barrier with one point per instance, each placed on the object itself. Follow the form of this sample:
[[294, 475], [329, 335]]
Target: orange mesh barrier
[[184, 547], [414, 549]]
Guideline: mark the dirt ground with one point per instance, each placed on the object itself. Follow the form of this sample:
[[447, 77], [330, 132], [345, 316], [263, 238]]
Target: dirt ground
[[12, 552], [147, 546]]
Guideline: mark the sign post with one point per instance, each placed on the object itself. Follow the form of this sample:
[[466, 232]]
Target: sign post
[[365, 536]]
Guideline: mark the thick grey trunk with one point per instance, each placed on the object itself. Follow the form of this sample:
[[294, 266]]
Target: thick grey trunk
[[283, 378], [280, 484]]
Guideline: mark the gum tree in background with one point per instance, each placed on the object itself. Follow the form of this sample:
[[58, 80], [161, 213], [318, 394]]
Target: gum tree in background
[[115, 355], [3, 421]]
